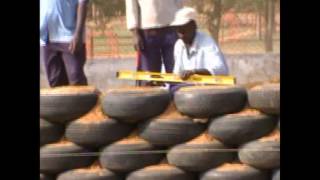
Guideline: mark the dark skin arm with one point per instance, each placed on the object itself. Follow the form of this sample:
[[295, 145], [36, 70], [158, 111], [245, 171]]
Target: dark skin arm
[[138, 40], [187, 73], [77, 40]]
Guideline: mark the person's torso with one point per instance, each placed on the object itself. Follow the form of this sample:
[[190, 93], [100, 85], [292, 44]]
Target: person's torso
[[61, 16], [157, 13], [195, 58]]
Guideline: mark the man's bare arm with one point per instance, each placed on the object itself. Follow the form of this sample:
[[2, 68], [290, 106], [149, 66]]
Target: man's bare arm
[[80, 26]]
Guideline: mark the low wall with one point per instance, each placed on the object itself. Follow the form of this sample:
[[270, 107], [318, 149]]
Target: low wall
[[246, 68]]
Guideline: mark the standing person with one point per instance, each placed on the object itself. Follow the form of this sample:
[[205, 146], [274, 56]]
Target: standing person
[[62, 26], [154, 38], [195, 52]]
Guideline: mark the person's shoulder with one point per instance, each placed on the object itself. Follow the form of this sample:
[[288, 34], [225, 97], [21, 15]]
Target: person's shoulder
[[206, 41]]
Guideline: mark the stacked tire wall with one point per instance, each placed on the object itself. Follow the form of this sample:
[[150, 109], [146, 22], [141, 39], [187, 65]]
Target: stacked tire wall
[[204, 132]]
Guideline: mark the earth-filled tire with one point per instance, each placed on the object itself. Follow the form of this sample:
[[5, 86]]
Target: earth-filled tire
[[89, 174], [276, 175], [263, 153], [265, 98], [192, 156], [135, 104], [95, 134], [235, 172], [46, 177], [239, 128], [60, 157], [50, 132], [170, 128], [161, 172], [126, 156], [210, 101], [64, 104]]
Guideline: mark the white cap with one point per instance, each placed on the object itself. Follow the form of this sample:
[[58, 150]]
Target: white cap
[[183, 16]]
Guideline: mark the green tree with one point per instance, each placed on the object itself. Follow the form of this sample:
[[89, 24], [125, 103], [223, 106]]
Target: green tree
[[210, 12]]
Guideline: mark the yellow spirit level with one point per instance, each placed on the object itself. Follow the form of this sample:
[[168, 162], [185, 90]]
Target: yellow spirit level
[[169, 77]]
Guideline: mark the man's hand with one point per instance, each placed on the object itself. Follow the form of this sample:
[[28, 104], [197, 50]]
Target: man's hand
[[184, 75], [75, 44], [77, 40], [138, 40]]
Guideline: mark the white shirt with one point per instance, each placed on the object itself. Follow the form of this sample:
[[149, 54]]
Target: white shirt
[[204, 54], [58, 20], [154, 13]]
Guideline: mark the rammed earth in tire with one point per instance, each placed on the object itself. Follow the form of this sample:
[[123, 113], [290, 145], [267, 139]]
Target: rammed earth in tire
[[263, 153], [89, 174], [239, 128], [50, 132], [135, 104], [199, 154], [63, 156], [94, 129], [161, 172], [209, 101], [63, 104], [170, 128], [266, 98], [129, 154], [235, 172]]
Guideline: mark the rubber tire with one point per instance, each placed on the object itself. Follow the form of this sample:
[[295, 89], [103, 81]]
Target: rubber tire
[[260, 158], [200, 159], [206, 103], [50, 132], [169, 132], [103, 174], [276, 175], [96, 134], [56, 164], [266, 99], [66, 107], [234, 130], [46, 177], [127, 159], [132, 107], [172, 174], [248, 174]]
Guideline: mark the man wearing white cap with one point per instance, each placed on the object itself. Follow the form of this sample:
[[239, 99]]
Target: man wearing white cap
[[195, 52]]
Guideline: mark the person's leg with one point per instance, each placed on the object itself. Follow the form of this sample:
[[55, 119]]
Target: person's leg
[[149, 59], [167, 48], [54, 67], [74, 64]]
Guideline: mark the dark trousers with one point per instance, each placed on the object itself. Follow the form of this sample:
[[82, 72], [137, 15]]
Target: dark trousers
[[62, 67], [158, 48]]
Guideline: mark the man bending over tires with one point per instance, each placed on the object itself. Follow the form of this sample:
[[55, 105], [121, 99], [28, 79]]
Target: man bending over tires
[[195, 52]]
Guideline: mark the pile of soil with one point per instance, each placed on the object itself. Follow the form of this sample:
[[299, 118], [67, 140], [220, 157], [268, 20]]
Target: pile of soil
[[68, 90]]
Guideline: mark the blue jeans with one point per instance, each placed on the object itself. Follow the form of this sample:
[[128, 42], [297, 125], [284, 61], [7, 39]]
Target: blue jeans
[[62, 67], [158, 48]]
